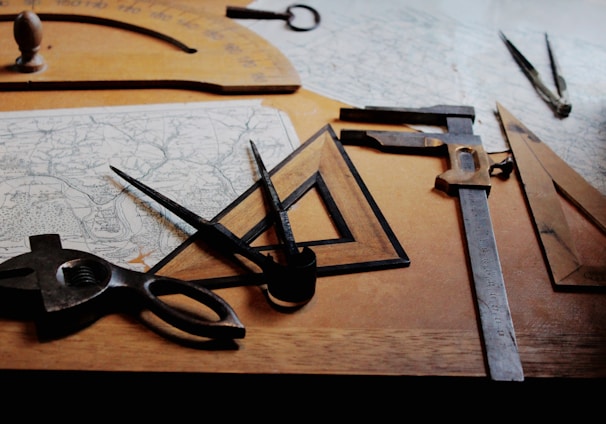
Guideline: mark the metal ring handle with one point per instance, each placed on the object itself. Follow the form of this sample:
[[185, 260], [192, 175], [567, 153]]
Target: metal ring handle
[[291, 17], [152, 287]]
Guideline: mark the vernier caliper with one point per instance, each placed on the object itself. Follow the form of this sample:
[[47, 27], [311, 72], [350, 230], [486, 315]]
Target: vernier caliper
[[469, 179]]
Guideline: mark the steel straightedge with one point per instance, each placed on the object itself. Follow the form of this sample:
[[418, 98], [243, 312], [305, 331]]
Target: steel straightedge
[[469, 179], [491, 297], [497, 326]]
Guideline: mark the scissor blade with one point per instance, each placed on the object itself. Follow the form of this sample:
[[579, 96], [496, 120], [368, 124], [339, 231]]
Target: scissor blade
[[282, 222]]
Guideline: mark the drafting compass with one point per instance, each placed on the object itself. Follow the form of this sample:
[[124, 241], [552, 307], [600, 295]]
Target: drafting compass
[[364, 241], [291, 284], [320, 174], [558, 101], [175, 47]]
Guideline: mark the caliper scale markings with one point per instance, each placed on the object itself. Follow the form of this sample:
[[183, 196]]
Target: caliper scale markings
[[469, 179], [493, 307]]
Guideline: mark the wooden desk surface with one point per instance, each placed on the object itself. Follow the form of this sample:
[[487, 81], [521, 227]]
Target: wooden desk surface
[[415, 321]]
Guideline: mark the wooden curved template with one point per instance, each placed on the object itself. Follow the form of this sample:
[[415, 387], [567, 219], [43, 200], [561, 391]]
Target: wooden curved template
[[223, 56]]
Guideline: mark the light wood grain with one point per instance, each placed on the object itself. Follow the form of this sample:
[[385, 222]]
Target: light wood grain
[[210, 52], [419, 320]]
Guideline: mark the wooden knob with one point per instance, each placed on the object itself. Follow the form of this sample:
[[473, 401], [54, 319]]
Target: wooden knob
[[27, 30]]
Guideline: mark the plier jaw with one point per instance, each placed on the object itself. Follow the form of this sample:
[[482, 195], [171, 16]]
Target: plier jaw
[[559, 102], [65, 290]]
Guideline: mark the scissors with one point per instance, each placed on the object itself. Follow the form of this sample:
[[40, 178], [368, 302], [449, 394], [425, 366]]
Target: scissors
[[289, 285], [72, 288], [288, 16], [559, 102]]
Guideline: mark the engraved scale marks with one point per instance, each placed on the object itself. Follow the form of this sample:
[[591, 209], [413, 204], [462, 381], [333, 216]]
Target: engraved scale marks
[[56, 178], [196, 37], [495, 318]]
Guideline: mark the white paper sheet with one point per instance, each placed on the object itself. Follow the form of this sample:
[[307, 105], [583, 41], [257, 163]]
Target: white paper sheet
[[420, 53], [56, 178]]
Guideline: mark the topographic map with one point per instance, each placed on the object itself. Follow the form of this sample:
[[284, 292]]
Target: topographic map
[[407, 53], [56, 178]]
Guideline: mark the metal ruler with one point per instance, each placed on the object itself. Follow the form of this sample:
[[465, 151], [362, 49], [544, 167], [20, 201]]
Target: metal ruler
[[469, 179], [491, 298]]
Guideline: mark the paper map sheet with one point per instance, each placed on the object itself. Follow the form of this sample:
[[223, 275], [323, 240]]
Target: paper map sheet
[[410, 53], [56, 178]]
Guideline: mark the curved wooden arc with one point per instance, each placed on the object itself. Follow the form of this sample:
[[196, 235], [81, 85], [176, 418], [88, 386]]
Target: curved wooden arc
[[97, 20], [213, 53]]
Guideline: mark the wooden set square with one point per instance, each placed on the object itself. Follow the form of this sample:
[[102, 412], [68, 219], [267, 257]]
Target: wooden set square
[[325, 196]]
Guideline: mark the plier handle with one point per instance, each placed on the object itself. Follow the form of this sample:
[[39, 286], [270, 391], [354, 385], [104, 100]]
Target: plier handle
[[559, 102], [71, 289]]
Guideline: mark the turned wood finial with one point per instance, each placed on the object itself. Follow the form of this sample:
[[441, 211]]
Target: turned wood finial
[[27, 30]]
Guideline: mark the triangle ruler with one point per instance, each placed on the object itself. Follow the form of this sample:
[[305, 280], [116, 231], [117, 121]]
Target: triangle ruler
[[546, 178], [325, 196]]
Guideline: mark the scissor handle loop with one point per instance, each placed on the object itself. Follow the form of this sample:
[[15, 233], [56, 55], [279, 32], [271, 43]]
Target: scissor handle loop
[[227, 326], [291, 17]]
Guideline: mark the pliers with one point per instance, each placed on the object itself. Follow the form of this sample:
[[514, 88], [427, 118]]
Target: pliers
[[64, 290], [559, 102]]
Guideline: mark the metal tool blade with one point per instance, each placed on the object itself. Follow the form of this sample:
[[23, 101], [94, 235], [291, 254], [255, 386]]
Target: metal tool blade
[[283, 226], [498, 333], [469, 179], [491, 297], [559, 103], [213, 232]]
